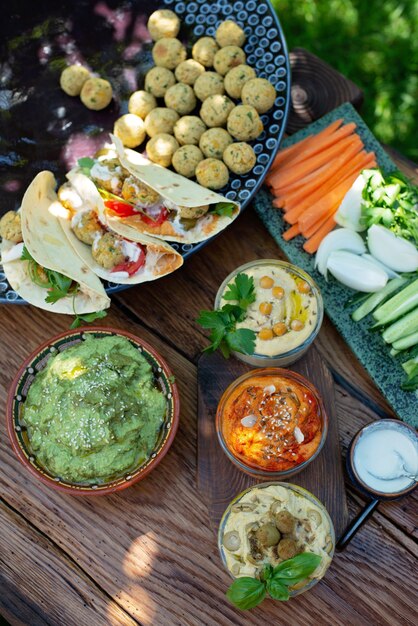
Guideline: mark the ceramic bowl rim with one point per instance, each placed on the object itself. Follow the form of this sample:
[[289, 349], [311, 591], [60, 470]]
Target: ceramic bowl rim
[[114, 485]]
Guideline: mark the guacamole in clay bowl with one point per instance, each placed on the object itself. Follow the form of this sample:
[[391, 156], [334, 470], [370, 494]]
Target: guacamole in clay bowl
[[94, 412]]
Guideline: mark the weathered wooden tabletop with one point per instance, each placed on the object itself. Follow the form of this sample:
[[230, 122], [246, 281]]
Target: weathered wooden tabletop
[[148, 555]]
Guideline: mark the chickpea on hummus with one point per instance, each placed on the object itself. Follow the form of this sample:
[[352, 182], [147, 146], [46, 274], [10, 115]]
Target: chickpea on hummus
[[271, 524], [285, 310]]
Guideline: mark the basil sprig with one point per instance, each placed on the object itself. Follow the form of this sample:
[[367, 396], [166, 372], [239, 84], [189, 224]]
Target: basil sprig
[[247, 592]]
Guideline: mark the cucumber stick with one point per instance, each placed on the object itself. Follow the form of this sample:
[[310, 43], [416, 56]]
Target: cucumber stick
[[404, 301], [376, 298], [406, 342], [407, 325]]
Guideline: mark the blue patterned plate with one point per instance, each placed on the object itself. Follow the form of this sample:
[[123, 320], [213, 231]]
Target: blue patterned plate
[[43, 128]]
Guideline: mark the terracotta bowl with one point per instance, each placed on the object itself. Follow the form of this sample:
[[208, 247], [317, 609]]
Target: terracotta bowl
[[37, 361]]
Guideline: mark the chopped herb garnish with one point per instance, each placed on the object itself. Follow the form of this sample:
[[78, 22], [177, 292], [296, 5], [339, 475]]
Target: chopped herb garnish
[[85, 164]]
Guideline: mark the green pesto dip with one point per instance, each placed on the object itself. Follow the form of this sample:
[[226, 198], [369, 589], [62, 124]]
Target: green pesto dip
[[94, 412]]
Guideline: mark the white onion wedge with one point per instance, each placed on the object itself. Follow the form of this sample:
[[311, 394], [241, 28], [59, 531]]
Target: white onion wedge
[[395, 252], [349, 211], [14, 254], [339, 239], [384, 267], [356, 272]]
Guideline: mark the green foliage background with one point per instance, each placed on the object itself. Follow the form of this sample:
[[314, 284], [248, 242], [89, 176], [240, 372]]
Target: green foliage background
[[375, 44]]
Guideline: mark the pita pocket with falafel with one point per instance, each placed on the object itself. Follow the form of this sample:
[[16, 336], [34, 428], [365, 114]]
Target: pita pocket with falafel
[[151, 199]]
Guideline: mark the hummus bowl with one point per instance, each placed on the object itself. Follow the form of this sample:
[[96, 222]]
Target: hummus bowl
[[114, 436], [272, 522], [286, 315], [271, 423]]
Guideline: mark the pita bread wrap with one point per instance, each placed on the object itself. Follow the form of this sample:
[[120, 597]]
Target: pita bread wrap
[[195, 213], [160, 258], [47, 244]]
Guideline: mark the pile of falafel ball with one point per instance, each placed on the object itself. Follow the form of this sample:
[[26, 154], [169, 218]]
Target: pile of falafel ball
[[213, 142], [207, 145]]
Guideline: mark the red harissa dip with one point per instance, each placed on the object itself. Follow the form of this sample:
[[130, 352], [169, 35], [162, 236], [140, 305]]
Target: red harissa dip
[[272, 423]]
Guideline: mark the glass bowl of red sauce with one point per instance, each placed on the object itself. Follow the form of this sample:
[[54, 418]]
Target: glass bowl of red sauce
[[271, 423]]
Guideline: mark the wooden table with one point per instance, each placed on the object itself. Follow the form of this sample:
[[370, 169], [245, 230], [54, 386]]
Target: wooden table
[[148, 555]]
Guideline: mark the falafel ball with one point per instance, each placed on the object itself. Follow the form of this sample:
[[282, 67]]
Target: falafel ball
[[229, 33], [11, 227], [107, 251], [244, 123], [168, 52], [239, 157], [181, 98], [227, 58], [160, 149], [158, 80], [215, 110], [212, 173], [86, 226], [73, 78], [160, 120], [214, 141], [259, 93], [189, 71], [189, 129], [163, 23], [209, 84], [204, 51], [96, 94], [186, 159], [130, 129], [236, 78], [141, 103], [138, 192]]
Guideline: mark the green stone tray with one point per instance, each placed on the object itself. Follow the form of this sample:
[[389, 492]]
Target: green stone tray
[[369, 348]]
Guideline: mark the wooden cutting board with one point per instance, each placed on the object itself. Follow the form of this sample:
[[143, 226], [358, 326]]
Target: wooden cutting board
[[219, 481]]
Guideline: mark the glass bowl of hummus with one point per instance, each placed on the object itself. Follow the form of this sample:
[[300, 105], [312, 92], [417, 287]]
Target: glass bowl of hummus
[[270, 523], [271, 423], [286, 315], [92, 411]]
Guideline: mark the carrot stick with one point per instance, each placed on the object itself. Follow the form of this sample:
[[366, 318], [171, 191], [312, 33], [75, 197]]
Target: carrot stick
[[297, 208], [284, 189], [286, 152], [322, 144], [291, 174], [341, 166], [291, 232], [312, 244], [278, 203], [324, 205]]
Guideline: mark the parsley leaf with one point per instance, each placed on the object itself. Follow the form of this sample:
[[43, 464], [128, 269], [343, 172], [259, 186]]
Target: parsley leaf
[[87, 318], [85, 164], [242, 290], [241, 340], [225, 209]]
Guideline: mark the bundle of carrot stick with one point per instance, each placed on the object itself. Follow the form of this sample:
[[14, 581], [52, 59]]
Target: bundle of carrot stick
[[310, 179]]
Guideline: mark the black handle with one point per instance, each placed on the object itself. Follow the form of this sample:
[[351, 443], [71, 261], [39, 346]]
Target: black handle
[[356, 524]]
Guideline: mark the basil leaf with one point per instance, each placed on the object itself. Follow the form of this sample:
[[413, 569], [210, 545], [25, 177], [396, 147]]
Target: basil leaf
[[267, 572], [246, 592], [277, 590], [294, 570]]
